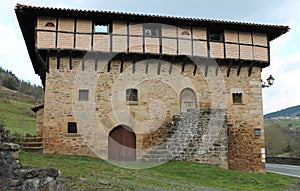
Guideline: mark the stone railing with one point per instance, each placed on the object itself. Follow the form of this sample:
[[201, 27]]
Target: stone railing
[[14, 177]]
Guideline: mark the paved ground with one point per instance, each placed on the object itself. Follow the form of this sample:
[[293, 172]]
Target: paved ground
[[289, 170]]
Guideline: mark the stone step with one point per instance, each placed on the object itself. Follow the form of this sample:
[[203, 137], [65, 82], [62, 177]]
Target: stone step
[[32, 144], [32, 139], [32, 149]]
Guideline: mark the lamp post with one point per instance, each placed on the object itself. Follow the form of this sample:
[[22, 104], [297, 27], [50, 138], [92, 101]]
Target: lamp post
[[270, 82]]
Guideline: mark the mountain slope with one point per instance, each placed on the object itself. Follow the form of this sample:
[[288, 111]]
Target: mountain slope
[[288, 112]]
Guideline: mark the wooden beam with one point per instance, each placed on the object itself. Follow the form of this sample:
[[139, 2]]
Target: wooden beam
[[239, 68], [122, 63], [206, 68], [171, 65], [183, 65], [195, 69], [133, 64], [229, 68], [217, 70], [41, 60], [250, 68]]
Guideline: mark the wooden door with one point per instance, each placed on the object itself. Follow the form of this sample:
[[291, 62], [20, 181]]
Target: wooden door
[[122, 144], [188, 100]]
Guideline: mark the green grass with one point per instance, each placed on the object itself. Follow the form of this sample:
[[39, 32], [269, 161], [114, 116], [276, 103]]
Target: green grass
[[18, 117], [175, 175], [284, 123]]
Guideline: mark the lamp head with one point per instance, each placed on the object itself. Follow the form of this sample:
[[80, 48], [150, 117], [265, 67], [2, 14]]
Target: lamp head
[[270, 80]]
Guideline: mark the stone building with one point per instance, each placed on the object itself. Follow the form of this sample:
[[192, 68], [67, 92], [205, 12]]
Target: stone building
[[135, 87]]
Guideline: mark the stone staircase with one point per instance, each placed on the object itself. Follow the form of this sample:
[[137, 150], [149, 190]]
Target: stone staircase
[[32, 144], [175, 145], [193, 136]]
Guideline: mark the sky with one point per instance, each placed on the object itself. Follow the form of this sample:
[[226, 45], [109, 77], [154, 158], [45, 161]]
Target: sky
[[285, 50]]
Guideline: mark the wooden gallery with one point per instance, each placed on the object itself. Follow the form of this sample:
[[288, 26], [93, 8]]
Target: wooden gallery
[[132, 87]]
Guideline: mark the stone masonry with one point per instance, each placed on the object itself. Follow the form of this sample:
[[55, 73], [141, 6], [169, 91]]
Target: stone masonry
[[166, 87], [14, 177]]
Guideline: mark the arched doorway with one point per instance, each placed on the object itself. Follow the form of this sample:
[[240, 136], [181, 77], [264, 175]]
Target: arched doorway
[[122, 144], [188, 100]]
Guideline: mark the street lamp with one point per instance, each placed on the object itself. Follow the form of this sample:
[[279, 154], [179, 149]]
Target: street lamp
[[270, 82]]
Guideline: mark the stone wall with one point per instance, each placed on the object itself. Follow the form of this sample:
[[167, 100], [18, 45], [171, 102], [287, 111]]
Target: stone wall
[[198, 136], [159, 93], [39, 122], [14, 177]]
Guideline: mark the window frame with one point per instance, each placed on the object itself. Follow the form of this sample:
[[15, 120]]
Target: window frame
[[132, 95], [237, 100], [220, 33], [151, 27], [99, 24], [85, 97], [72, 128]]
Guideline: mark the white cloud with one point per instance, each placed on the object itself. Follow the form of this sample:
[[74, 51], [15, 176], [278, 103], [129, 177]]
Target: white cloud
[[285, 92]]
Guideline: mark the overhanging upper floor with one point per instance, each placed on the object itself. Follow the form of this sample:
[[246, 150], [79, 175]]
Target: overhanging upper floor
[[113, 32]]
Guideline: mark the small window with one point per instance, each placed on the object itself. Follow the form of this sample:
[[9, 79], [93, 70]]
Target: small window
[[98, 28], [257, 132], [49, 24], [131, 95], [185, 33], [72, 127], [215, 36], [237, 98], [83, 95], [152, 30]]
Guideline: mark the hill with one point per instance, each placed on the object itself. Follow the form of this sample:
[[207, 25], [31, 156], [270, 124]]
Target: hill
[[15, 85], [288, 112], [17, 116]]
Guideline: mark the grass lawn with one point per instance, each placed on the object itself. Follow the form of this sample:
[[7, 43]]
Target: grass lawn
[[85, 173], [284, 123], [18, 117]]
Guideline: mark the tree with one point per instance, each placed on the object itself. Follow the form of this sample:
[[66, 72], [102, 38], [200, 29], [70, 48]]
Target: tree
[[276, 140], [10, 82]]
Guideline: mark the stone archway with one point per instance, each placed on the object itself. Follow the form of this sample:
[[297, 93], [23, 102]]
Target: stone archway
[[188, 100], [122, 144]]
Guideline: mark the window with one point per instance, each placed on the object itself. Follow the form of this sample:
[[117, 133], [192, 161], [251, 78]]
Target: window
[[152, 30], [216, 36], [237, 98], [49, 24], [257, 132], [185, 33], [101, 28], [72, 127], [83, 95], [131, 95]]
